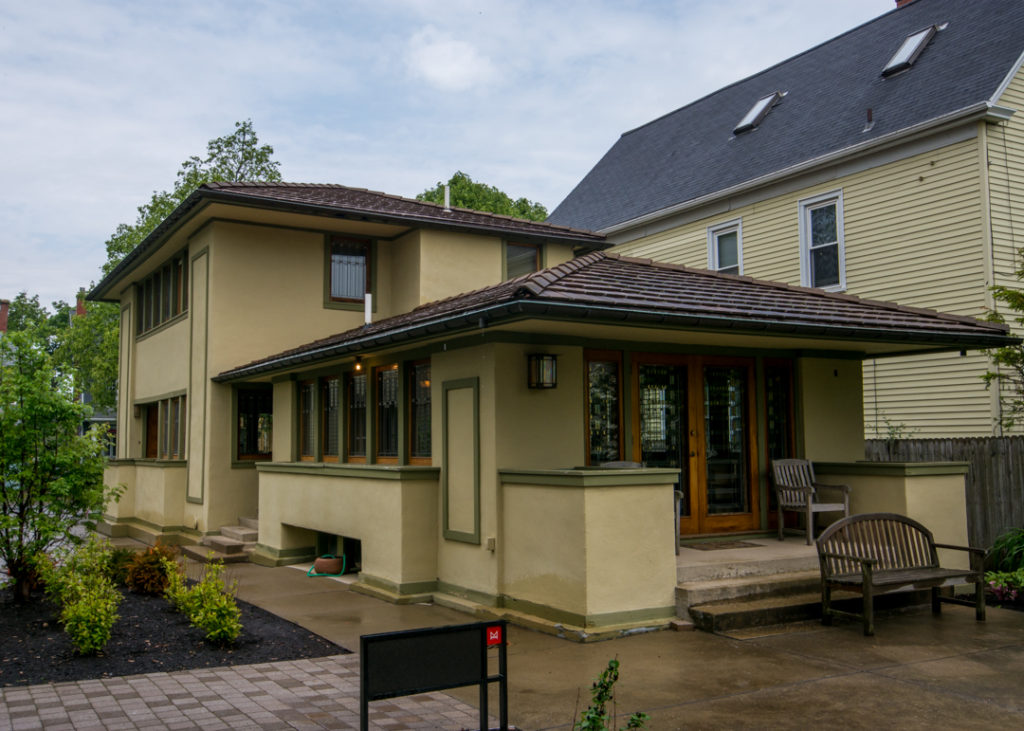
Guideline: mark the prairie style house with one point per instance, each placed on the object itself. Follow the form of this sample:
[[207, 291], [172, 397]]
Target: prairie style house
[[438, 388], [886, 163]]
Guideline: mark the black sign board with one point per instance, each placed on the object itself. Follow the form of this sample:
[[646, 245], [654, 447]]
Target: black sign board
[[437, 658]]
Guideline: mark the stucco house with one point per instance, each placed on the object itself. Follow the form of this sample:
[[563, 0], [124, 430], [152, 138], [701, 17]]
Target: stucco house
[[886, 163], [436, 389]]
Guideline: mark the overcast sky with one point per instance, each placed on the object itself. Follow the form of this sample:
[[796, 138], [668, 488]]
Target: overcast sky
[[100, 102]]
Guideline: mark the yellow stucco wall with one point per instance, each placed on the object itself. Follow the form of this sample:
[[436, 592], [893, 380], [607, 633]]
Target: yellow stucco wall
[[829, 403]]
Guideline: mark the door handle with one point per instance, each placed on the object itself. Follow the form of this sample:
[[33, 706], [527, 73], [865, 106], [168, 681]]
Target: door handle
[[693, 453]]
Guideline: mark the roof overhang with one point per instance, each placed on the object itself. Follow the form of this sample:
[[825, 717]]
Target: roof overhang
[[544, 315]]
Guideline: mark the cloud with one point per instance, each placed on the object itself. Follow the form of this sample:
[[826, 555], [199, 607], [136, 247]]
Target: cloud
[[446, 63]]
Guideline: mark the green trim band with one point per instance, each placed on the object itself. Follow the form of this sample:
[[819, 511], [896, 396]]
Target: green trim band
[[478, 597], [403, 589], [405, 473], [146, 462], [473, 385], [265, 555], [591, 477], [165, 325], [891, 469], [589, 621]]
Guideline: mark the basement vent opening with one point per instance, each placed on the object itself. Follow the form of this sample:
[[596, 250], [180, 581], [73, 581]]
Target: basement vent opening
[[757, 112], [909, 51]]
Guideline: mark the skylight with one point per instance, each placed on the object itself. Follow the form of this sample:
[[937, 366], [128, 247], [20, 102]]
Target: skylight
[[909, 51], [757, 112]]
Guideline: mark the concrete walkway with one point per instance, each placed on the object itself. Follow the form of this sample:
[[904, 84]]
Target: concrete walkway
[[919, 671]]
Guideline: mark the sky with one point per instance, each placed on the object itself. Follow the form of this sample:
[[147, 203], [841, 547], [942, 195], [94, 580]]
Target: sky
[[102, 100]]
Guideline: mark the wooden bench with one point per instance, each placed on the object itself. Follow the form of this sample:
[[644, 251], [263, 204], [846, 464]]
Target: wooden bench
[[875, 553]]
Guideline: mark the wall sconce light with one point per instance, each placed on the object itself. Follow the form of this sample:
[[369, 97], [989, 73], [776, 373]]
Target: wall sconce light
[[359, 363], [542, 370]]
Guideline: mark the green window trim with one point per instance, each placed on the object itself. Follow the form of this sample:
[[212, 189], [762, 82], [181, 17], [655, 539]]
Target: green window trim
[[447, 532]]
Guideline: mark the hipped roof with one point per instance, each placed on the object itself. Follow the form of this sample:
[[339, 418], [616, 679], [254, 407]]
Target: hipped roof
[[602, 288]]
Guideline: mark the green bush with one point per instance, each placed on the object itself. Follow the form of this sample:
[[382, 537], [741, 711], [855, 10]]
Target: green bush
[[209, 604], [90, 616], [596, 716], [65, 575], [1006, 586], [1007, 552], [146, 572], [120, 559]]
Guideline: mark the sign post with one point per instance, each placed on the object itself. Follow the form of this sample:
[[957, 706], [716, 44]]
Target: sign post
[[414, 661]]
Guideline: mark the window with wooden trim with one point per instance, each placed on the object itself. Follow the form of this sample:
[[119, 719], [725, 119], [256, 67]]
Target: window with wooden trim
[[164, 424], [778, 397], [604, 410], [387, 392], [521, 259], [822, 261], [349, 276], [307, 421], [255, 413], [163, 295], [330, 417], [419, 413], [355, 417]]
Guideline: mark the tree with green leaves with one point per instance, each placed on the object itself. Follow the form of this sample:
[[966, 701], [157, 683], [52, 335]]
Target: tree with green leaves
[[27, 314], [464, 192], [51, 477], [235, 157], [1008, 374]]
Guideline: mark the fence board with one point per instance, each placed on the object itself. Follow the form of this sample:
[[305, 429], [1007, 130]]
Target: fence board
[[995, 479]]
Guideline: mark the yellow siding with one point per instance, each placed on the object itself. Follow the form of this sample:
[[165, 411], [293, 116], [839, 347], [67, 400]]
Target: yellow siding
[[1006, 186], [914, 232]]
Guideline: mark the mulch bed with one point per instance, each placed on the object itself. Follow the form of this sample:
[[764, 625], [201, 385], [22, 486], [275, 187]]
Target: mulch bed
[[149, 636]]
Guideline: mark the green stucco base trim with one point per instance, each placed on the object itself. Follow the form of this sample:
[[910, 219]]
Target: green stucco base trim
[[265, 555], [477, 597], [590, 477], [891, 469], [411, 592], [148, 532]]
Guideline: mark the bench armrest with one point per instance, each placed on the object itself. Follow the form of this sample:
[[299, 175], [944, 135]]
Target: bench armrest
[[971, 549], [805, 489], [844, 488], [867, 565]]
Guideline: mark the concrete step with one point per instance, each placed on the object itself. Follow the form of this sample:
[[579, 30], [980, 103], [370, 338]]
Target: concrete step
[[695, 593], [225, 545], [745, 563], [205, 554], [239, 533], [253, 523], [726, 616]]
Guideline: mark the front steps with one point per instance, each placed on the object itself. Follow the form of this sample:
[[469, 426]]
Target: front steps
[[234, 544], [769, 585]]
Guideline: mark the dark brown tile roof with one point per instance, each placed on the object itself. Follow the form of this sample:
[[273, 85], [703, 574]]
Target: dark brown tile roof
[[608, 288], [393, 207], [355, 203]]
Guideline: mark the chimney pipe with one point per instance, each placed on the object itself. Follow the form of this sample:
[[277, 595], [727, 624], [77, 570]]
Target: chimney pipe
[[901, 3], [5, 308], [80, 304], [447, 200]]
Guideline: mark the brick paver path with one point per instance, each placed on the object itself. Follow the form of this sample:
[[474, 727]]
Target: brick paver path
[[300, 694]]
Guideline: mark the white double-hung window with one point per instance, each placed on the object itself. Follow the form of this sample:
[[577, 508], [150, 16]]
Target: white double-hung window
[[725, 247], [822, 260]]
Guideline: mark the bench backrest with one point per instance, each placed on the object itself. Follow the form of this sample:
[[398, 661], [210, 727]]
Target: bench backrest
[[894, 541], [790, 473]]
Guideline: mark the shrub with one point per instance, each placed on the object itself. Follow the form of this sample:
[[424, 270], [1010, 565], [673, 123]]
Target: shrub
[[1006, 586], [120, 559], [1007, 552], [209, 604], [218, 617], [178, 593], [146, 572], [596, 717], [89, 617], [65, 576]]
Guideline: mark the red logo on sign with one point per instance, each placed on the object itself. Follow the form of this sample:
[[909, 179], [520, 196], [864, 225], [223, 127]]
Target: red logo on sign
[[493, 636]]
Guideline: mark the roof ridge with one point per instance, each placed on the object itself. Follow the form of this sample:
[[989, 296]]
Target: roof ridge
[[536, 282], [225, 184]]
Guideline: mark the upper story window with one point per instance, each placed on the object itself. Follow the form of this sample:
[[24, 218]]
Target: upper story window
[[725, 248], [521, 259], [822, 262], [349, 273], [255, 410], [909, 50], [165, 428], [387, 413], [162, 295]]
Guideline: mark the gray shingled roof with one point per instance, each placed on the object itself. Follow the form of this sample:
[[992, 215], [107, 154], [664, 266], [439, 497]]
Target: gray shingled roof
[[691, 153], [341, 201], [603, 288]]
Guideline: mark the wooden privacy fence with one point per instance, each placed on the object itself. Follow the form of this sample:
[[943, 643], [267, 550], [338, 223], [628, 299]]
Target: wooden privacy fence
[[995, 480]]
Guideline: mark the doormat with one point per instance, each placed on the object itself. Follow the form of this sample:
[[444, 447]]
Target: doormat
[[719, 545]]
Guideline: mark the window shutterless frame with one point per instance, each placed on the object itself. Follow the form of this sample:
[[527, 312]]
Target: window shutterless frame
[[387, 393], [603, 392], [822, 249], [725, 247], [419, 413]]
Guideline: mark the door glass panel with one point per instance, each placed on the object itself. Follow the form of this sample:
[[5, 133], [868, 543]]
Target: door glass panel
[[725, 434], [662, 421]]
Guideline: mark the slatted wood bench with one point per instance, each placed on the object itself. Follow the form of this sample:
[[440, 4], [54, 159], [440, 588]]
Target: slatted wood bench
[[876, 553]]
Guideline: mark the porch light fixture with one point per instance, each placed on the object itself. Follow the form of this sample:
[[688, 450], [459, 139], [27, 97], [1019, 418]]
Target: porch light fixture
[[359, 363], [542, 371]]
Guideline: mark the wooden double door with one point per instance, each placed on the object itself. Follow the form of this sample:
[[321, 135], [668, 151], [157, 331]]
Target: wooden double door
[[697, 414]]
